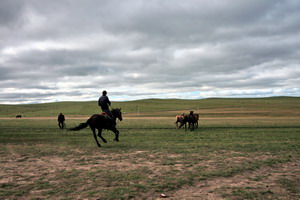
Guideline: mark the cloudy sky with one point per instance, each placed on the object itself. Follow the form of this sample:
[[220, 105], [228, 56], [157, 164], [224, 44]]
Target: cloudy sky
[[71, 50]]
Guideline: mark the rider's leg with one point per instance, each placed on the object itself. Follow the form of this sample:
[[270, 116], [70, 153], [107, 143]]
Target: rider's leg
[[108, 112]]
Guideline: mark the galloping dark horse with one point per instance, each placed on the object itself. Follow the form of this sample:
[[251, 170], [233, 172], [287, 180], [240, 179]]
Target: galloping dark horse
[[102, 121]]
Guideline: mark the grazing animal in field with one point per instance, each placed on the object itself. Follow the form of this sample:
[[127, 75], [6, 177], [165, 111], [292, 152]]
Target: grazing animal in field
[[61, 121], [18, 116], [100, 122], [196, 120], [191, 119], [179, 119]]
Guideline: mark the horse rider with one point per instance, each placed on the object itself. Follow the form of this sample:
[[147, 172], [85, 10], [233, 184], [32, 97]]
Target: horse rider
[[61, 121], [104, 102]]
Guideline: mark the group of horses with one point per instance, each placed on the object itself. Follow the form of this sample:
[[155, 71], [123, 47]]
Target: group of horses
[[190, 119], [103, 121]]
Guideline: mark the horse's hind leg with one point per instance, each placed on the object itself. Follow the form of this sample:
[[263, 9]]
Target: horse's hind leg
[[100, 135], [95, 136]]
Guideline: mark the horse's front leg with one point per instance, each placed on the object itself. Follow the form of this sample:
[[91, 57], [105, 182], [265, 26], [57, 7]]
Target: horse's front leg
[[191, 126], [100, 135], [177, 123], [114, 129], [95, 136], [182, 123]]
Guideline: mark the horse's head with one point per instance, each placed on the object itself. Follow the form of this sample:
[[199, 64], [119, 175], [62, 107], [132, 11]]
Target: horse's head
[[117, 113]]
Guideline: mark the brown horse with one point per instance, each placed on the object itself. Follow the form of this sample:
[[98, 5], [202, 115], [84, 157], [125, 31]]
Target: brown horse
[[196, 120], [192, 120], [100, 122], [179, 119]]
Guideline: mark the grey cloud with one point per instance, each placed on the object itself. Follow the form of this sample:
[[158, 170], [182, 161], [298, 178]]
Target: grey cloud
[[58, 48], [10, 10]]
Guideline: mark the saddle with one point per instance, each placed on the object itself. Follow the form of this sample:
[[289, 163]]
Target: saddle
[[105, 115], [110, 121]]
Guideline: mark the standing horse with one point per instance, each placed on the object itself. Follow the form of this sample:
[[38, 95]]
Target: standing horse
[[179, 119], [192, 120], [100, 122], [196, 120]]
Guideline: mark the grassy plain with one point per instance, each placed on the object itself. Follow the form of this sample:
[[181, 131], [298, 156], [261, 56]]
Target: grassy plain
[[244, 149]]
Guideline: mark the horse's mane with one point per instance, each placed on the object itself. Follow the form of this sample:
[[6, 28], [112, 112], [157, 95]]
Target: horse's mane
[[115, 109]]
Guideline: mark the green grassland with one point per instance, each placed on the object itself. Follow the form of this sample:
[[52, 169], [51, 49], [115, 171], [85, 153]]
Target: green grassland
[[214, 107], [243, 149]]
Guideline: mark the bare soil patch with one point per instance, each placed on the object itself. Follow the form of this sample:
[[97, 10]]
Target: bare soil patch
[[265, 179], [26, 170]]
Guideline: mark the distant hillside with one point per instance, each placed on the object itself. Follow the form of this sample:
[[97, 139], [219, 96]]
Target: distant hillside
[[154, 107]]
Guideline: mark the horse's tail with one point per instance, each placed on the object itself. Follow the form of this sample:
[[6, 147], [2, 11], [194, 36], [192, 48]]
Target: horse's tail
[[80, 126]]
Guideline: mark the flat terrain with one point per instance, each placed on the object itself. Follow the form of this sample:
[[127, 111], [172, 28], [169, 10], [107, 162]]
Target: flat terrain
[[243, 149]]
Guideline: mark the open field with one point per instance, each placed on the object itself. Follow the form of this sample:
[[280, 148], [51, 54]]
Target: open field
[[244, 149]]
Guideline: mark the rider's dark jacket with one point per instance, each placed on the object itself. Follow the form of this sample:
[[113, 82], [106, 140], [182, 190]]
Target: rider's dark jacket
[[104, 102]]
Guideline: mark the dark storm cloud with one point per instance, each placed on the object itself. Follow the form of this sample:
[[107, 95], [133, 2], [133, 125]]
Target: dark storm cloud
[[9, 11], [71, 50]]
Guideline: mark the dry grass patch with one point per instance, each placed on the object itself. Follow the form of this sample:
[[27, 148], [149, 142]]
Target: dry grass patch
[[61, 175], [263, 183]]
